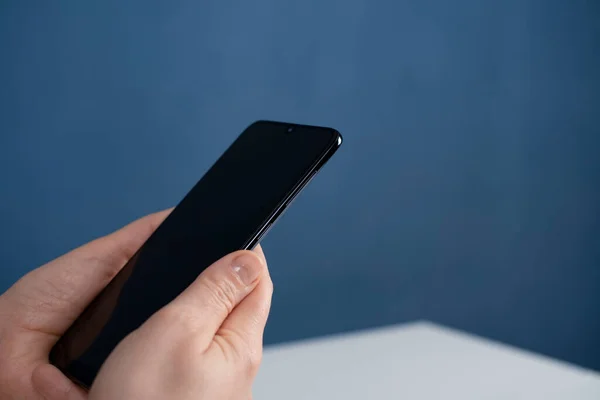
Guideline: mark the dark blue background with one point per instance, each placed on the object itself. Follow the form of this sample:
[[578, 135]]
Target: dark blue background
[[467, 190]]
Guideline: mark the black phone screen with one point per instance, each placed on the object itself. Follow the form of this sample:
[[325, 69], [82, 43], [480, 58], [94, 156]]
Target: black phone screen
[[227, 210]]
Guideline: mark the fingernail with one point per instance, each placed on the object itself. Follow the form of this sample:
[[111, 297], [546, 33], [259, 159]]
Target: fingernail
[[248, 268]]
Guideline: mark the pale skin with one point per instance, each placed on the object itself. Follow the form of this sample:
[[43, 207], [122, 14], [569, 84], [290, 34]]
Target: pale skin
[[205, 345]]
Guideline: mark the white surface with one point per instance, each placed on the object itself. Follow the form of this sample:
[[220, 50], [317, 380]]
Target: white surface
[[416, 361]]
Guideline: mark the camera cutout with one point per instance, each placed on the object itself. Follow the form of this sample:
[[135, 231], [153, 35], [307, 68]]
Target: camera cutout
[[290, 129]]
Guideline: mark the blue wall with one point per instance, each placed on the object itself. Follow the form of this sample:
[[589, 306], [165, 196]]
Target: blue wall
[[467, 190]]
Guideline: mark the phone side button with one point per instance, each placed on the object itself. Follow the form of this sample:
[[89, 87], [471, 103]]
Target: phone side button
[[291, 200], [265, 232]]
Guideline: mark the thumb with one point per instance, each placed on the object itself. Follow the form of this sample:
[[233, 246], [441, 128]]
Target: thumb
[[207, 302]]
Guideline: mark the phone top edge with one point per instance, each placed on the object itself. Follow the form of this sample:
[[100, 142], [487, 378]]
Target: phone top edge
[[268, 121]]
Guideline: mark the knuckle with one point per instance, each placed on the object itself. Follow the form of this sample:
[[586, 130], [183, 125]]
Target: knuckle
[[107, 267], [39, 294], [222, 293], [254, 361], [31, 305], [239, 351], [270, 286], [251, 363]]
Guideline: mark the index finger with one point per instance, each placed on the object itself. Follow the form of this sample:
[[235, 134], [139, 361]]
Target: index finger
[[52, 296]]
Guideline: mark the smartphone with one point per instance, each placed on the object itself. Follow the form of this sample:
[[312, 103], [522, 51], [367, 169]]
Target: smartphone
[[231, 208]]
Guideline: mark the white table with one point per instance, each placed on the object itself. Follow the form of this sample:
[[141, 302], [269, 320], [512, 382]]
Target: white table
[[416, 361]]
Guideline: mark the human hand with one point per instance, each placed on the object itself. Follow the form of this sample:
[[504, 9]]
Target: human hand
[[205, 344]]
